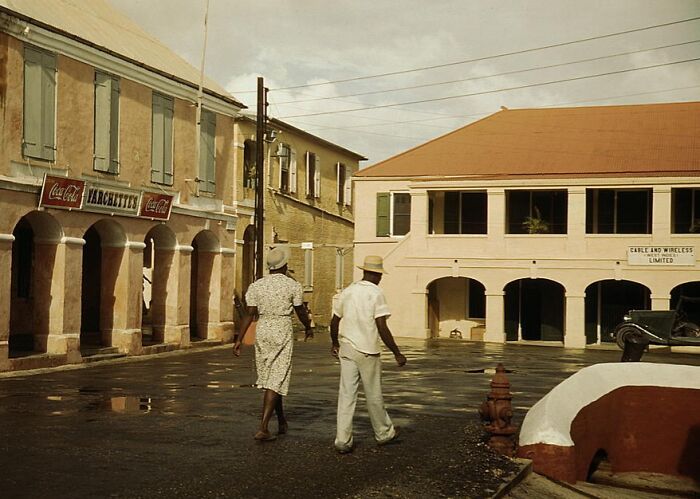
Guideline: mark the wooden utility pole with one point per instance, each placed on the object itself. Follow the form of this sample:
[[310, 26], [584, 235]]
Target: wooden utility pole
[[260, 178]]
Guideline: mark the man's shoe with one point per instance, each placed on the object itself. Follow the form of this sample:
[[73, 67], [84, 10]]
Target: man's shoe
[[345, 450], [397, 432]]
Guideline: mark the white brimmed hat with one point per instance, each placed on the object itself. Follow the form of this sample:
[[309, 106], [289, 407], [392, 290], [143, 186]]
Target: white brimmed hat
[[373, 263], [276, 259]]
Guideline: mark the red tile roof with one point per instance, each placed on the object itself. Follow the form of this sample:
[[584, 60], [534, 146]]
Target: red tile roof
[[632, 140]]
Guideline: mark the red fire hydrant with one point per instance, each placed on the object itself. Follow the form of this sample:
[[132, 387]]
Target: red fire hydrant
[[497, 413]]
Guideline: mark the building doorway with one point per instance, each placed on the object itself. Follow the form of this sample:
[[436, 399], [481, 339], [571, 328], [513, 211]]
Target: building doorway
[[534, 310], [103, 252], [205, 250], [158, 307], [606, 304], [456, 308], [36, 235]]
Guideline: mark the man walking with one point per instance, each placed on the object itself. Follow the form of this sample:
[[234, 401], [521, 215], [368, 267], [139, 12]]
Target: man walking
[[363, 311]]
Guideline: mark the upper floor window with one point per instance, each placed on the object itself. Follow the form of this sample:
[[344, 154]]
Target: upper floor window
[[536, 211], [39, 139], [685, 209], [287, 181], [106, 155], [313, 175], [162, 140], [393, 213], [343, 193], [462, 213], [249, 161], [618, 211], [207, 151]]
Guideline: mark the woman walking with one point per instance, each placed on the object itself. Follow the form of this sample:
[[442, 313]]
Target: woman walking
[[270, 301]]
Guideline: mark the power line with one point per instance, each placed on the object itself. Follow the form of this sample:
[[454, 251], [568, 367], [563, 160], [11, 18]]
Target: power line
[[484, 58], [536, 68], [552, 82], [315, 126]]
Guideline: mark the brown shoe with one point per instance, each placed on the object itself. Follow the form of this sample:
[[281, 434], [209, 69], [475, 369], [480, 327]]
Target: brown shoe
[[397, 432], [264, 436]]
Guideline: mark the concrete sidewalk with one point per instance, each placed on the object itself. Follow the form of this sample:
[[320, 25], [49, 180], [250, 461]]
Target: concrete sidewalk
[[181, 424]]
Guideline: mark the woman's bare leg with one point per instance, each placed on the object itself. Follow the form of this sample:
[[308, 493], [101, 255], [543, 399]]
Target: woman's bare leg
[[269, 404], [281, 419]]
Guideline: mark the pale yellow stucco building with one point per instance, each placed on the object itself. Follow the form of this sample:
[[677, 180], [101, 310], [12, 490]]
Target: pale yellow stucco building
[[537, 224], [144, 257]]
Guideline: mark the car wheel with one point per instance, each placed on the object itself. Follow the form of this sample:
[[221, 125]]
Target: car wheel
[[625, 334]]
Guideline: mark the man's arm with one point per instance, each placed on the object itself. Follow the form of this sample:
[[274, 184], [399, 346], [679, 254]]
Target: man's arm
[[303, 315], [335, 323], [388, 339]]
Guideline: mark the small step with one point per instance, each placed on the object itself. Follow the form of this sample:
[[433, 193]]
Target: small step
[[160, 348], [37, 361], [102, 356], [197, 343]]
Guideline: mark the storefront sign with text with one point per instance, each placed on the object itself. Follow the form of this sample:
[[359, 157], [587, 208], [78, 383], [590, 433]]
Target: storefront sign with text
[[62, 192], [661, 255], [112, 199]]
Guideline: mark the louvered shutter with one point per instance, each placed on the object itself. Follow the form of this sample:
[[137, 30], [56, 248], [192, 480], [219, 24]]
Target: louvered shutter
[[207, 151], [103, 94], [292, 171], [114, 128], [348, 189], [338, 181], [167, 141], [280, 161], [157, 140], [48, 100], [383, 214], [308, 174], [32, 141], [317, 177]]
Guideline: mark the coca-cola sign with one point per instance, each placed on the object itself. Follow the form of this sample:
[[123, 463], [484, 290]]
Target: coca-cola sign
[[62, 192], [156, 205]]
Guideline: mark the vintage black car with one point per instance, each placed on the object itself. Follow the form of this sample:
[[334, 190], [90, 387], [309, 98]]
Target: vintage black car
[[642, 328]]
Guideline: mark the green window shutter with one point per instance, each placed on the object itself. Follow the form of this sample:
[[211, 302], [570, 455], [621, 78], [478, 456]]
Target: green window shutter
[[103, 92], [168, 140], [383, 199], [157, 140], [48, 100], [114, 128], [207, 151], [32, 140]]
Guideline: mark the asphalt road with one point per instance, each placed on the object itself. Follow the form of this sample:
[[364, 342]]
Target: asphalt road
[[181, 424]]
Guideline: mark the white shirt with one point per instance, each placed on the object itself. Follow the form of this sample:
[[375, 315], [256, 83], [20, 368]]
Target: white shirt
[[358, 306]]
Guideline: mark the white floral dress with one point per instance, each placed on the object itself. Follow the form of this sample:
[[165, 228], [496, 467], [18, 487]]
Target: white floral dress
[[275, 296]]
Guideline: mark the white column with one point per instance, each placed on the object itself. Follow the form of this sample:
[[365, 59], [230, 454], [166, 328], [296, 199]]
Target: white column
[[661, 221], [575, 326], [660, 302], [495, 332]]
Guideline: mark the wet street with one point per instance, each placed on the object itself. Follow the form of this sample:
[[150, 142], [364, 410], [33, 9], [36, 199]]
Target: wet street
[[181, 424]]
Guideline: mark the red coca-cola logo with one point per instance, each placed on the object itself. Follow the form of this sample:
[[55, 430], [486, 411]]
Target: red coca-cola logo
[[62, 192], [155, 205]]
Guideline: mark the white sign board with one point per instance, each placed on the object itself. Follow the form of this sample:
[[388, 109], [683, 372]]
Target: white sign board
[[306, 246], [661, 255]]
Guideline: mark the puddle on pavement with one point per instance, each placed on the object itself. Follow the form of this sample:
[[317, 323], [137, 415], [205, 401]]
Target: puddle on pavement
[[125, 404], [487, 370]]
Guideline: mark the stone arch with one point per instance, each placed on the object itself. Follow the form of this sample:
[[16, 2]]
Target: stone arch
[[103, 253], [690, 310], [205, 255], [159, 298], [456, 307], [34, 252], [534, 309], [606, 303]]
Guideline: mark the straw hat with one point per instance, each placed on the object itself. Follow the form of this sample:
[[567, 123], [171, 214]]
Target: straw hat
[[373, 263], [276, 258]]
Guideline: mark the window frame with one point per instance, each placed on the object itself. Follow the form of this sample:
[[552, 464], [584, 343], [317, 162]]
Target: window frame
[[42, 104], [562, 227], [207, 157], [593, 208], [164, 174], [391, 214], [110, 161]]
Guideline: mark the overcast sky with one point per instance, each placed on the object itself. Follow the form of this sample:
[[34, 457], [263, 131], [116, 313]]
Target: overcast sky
[[295, 43]]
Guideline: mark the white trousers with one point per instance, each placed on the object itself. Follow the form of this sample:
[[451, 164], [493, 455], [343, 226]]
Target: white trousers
[[355, 367]]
